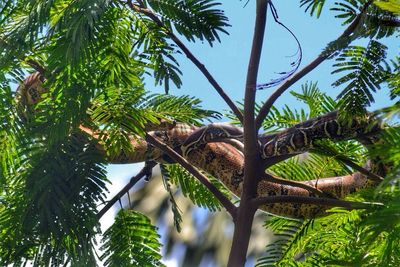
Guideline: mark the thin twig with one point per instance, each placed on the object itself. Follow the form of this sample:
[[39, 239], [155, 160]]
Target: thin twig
[[144, 172], [331, 202], [321, 150], [270, 178], [196, 173], [264, 110], [359, 168], [191, 57]]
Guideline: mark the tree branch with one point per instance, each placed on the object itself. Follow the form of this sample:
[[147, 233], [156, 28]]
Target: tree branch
[[252, 167], [359, 168], [312, 201], [144, 172], [196, 173], [191, 57], [250, 135], [264, 110]]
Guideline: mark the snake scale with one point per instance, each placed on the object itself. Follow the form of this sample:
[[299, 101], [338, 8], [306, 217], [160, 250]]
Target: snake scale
[[211, 149]]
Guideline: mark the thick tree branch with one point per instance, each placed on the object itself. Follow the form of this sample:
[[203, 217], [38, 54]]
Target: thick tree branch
[[191, 57], [145, 172], [252, 167], [196, 173], [313, 201], [250, 135], [300, 74]]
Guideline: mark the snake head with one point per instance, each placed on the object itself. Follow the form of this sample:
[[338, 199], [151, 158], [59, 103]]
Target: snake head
[[29, 93], [31, 89]]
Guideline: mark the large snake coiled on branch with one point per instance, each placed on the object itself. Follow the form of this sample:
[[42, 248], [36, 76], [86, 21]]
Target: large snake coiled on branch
[[211, 149]]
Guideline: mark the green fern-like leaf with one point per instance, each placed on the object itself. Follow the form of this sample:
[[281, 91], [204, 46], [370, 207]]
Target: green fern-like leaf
[[156, 52], [131, 241], [347, 10], [313, 6], [193, 189], [365, 71], [174, 206], [53, 205], [288, 234], [123, 113], [317, 103], [390, 5], [193, 19]]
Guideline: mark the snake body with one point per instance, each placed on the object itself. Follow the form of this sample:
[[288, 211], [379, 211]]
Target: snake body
[[206, 149]]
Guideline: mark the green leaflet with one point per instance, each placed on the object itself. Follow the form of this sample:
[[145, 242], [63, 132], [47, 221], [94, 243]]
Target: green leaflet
[[192, 188], [364, 70], [188, 18], [131, 241]]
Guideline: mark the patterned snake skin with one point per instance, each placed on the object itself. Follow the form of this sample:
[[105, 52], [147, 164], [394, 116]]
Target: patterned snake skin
[[207, 148]]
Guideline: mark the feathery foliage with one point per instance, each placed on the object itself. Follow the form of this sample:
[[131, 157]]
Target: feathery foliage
[[313, 6], [365, 71], [192, 188], [391, 5], [316, 101], [131, 241], [193, 19]]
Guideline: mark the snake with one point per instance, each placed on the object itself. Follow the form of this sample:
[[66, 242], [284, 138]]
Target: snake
[[217, 150]]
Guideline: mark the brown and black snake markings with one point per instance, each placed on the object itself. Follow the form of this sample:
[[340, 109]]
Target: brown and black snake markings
[[210, 149]]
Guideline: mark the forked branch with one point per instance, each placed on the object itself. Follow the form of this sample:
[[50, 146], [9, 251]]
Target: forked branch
[[145, 172], [149, 13]]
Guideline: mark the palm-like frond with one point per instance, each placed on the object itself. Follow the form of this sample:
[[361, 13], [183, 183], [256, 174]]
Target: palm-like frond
[[289, 236], [377, 24], [193, 19], [347, 9], [10, 131], [313, 6], [156, 52], [121, 113], [131, 241], [54, 198], [364, 70], [174, 206], [394, 79], [390, 5], [192, 188], [317, 104]]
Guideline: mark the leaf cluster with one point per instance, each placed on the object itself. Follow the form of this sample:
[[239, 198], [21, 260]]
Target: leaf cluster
[[131, 241]]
